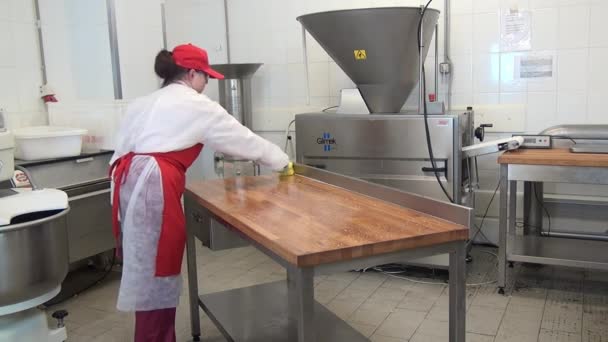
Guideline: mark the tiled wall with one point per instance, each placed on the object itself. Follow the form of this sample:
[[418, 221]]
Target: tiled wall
[[20, 74], [77, 49], [77, 53], [570, 30], [184, 25], [266, 31], [575, 32], [139, 27]]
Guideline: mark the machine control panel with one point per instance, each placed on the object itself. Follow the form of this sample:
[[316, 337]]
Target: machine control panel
[[536, 141]]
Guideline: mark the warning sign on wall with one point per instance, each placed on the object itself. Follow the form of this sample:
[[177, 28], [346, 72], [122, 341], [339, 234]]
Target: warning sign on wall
[[515, 30], [360, 55], [531, 67]]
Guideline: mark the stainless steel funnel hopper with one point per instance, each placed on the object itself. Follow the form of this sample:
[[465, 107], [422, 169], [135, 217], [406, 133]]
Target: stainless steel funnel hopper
[[377, 48], [235, 90]]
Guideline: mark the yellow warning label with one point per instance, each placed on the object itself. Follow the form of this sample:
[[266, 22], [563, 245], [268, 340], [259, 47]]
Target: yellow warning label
[[360, 55]]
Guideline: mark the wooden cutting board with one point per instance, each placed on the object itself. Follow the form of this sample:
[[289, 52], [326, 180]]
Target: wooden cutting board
[[309, 223], [554, 157]]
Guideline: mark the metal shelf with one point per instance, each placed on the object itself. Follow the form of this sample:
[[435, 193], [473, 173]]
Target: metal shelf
[[557, 251], [260, 313]]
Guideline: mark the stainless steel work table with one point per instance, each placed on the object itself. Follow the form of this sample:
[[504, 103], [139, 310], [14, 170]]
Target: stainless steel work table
[[313, 223], [534, 167]]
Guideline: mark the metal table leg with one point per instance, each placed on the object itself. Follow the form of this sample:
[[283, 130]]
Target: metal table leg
[[301, 302], [458, 293], [502, 229], [512, 206], [195, 322], [512, 218]]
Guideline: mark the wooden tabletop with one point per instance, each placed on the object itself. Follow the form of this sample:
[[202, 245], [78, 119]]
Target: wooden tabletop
[[553, 157], [309, 223]]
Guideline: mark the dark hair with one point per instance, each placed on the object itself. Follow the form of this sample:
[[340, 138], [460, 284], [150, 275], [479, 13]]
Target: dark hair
[[165, 68]]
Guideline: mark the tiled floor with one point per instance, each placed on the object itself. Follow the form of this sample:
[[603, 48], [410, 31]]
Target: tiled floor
[[543, 304]]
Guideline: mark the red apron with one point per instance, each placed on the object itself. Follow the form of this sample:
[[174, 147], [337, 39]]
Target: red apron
[[172, 240]]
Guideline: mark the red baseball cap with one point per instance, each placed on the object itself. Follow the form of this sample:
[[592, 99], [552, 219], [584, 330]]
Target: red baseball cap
[[189, 56]]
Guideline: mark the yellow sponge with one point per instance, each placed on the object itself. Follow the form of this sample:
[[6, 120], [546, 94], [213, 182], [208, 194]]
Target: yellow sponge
[[288, 170]]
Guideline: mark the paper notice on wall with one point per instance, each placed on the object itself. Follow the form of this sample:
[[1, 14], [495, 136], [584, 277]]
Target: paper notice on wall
[[515, 30], [534, 67]]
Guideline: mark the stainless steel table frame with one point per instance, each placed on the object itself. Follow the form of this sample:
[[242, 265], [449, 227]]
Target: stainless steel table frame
[[287, 311], [230, 310], [532, 248]]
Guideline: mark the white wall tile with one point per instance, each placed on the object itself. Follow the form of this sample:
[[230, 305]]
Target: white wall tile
[[461, 100], [573, 2], [462, 34], [544, 28], [240, 12], [13, 120], [514, 4], [5, 9], [486, 99], [484, 6], [572, 108], [541, 111], [7, 55], [294, 44], [128, 10], [22, 11], [315, 52], [137, 80], [514, 98], [270, 81], [83, 13], [26, 46], [296, 75], [572, 70], [137, 61], [58, 61], [462, 80], [486, 73], [270, 48], [573, 27], [240, 48], [462, 6], [598, 71], [338, 80], [542, 85], [29, 83], [543, 3], [319, 79], [53, 12], [508, 81], [9, 93], [278, 84], [184, 26], [33, 119], [597, 108], [212, 90], [486, 32], [599, 25], [316, 103]]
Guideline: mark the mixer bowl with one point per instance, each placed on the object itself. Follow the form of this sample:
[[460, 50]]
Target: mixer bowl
[[33, 257]]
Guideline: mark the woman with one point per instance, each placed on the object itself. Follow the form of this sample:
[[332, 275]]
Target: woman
[[161, 136]]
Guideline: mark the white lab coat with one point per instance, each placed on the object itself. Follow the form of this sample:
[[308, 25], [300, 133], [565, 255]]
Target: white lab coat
[[173, 118]]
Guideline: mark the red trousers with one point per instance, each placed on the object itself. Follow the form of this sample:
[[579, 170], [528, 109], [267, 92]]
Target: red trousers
[[155, 325]]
